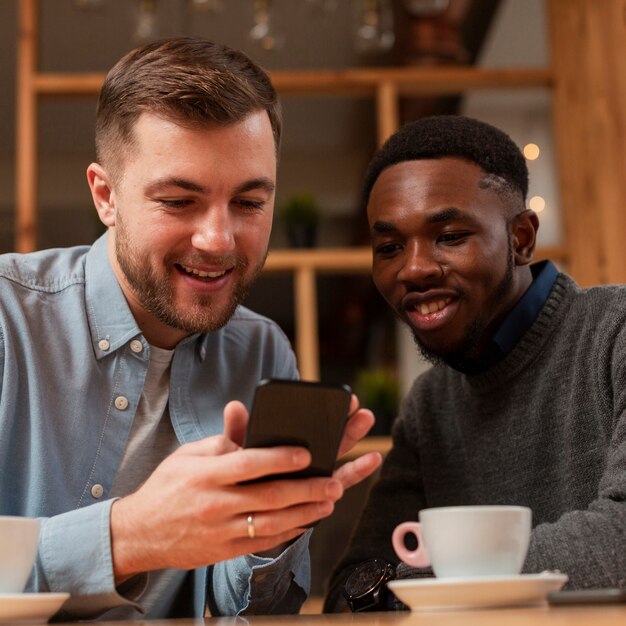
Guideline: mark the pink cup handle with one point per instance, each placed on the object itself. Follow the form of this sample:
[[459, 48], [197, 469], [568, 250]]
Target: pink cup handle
[[415, 558]]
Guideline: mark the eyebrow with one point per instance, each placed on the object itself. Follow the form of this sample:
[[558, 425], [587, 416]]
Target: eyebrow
[[383, 227], [262, 183], [164, 183], [445, 215]]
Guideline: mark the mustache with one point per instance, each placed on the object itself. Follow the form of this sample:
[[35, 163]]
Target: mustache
[[230, 260]]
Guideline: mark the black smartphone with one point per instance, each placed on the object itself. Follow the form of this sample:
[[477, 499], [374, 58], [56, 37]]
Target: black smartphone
[[587, 596], [300, 413]]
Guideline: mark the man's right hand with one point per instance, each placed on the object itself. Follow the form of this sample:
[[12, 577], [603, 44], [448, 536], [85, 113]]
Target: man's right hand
[[193, 512]]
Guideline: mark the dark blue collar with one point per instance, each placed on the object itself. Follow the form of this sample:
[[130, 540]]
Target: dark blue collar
[[519, 319], [524, 313]]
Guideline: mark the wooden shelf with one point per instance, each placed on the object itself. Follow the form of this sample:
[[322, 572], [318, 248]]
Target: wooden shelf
[[335, 260], [432, 80], [356, 81], [356, 259]]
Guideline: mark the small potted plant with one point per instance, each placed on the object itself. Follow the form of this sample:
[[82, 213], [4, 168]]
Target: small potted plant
[[301, 215], [379, 391]]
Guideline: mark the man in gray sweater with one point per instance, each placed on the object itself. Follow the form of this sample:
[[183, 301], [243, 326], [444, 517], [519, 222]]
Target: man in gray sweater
[[526, 401]]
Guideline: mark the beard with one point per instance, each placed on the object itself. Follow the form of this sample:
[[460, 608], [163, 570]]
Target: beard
[[156, 293], [466, 355]]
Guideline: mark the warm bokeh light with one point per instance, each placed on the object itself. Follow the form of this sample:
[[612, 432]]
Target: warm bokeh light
[[531, 151], [537, 204]]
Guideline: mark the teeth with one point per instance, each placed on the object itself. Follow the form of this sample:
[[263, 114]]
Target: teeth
[[201, 274], [432, 307]]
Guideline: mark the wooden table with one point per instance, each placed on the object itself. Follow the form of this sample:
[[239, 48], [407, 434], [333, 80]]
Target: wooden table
[[607, 615]]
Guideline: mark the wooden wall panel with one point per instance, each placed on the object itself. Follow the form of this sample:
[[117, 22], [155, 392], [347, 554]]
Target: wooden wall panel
[[588, 40], [26, 131]]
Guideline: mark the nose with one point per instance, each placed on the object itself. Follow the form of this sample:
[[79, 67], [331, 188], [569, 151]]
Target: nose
[[214, 231], [420, 266]]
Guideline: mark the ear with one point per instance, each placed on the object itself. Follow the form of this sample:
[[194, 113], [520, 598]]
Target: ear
[[102, 193], [524, 227]]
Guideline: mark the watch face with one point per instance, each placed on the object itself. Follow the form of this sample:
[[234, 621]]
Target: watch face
[[364, 577]]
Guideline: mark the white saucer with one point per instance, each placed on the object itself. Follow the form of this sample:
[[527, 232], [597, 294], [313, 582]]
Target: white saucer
[[30, 608], [463, 593]]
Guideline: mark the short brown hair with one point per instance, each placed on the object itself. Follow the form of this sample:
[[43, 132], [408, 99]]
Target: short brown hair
[[193, 81]]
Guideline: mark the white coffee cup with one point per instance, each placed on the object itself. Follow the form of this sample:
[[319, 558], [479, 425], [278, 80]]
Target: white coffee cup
[[18, 549], [467, 541]]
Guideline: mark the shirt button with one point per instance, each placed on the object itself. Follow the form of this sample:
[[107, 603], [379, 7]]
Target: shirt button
[[104, 344], [121, 403], [97, 491], [136, 345]]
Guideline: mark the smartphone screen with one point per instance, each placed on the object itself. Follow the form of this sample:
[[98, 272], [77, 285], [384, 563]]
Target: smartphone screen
[[300, 413]]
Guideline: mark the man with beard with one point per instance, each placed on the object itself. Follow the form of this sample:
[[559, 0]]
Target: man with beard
[[526, 401], [127, 367]]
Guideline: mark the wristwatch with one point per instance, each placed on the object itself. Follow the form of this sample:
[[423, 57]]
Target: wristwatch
[[366, 587]]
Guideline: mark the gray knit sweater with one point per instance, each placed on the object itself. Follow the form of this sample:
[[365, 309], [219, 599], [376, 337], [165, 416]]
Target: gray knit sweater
[[544, 428]]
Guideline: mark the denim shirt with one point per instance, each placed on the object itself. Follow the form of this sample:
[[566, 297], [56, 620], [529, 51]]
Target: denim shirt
[[72, 367]]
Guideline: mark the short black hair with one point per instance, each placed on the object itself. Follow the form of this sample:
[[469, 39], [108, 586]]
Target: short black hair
[[452, 136]]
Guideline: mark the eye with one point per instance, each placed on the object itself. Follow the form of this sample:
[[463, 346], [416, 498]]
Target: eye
[[250, 205], [453, 237], [175, 203], [387, 249]]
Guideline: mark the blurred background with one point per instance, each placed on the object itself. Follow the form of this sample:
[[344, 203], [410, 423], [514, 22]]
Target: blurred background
[[328, 138], [571, 126]]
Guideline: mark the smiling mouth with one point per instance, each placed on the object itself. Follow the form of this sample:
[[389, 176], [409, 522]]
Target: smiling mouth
[[434, 306], [200, 274]]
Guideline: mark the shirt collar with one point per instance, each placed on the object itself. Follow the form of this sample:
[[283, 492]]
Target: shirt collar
[[518, 320], [111, 322], [524, 313]]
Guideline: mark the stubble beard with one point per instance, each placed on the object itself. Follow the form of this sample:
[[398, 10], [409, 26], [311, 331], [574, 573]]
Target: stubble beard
[[469, 350], [156, 294]]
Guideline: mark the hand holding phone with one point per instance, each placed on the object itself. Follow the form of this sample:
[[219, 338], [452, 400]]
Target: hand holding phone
[[300, 413]]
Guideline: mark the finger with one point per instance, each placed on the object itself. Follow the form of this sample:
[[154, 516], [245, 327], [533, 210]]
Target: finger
[[353, 472], [277, 495], [248, 464], [235, 421], [275, 525], [354, 404], [356, 428]]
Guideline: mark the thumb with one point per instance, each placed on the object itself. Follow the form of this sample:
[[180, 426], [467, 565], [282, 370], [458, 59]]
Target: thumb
[[235, 421]]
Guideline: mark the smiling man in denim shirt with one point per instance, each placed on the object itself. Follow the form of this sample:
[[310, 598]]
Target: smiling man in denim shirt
[[127, 367]]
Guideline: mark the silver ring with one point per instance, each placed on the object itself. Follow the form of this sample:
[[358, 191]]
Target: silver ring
[[251, 526]]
